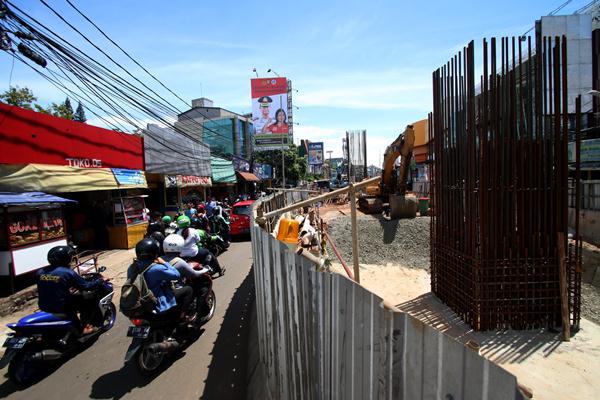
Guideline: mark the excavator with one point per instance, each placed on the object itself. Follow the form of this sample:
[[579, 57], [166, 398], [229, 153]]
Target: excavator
[[392, 186]]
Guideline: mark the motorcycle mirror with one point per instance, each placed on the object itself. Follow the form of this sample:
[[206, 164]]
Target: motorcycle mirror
[[102, 269]]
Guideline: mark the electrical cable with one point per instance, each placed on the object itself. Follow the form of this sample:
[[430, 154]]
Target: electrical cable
[[146, 108]]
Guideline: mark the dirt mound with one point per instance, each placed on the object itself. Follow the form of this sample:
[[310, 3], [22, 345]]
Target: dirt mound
[[401, 242]]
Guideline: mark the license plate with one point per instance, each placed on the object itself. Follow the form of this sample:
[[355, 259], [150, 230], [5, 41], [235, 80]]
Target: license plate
[[15, 342], [138, 331]]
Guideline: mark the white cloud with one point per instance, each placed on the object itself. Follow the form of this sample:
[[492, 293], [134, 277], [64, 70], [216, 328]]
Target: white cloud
[[386, 90]]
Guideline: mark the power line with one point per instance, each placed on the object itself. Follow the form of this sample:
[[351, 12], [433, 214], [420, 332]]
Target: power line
[[90, 67]]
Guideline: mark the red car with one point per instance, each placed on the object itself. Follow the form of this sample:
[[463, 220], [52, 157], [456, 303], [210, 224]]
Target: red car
[[240, 218]]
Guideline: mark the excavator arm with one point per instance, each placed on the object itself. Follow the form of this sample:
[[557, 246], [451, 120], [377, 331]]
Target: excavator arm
[[402, 146]]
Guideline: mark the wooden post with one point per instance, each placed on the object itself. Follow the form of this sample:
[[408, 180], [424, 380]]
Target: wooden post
[[562, 279], [352, 195]]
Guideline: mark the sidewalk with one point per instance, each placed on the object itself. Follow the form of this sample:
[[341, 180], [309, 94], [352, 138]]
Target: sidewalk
[[116, 263]]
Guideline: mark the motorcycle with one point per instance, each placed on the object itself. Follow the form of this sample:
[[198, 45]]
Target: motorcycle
[[216, 245], [42, 338], [155, 336]]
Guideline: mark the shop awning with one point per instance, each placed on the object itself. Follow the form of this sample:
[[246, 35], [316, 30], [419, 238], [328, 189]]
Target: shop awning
[[62, 179], [248, 176], [26, 198], [222, 170]]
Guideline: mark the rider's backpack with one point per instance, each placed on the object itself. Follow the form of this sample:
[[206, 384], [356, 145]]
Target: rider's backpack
[[136, 297]]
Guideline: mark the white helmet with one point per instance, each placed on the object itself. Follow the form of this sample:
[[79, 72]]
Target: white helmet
[[173, 243]]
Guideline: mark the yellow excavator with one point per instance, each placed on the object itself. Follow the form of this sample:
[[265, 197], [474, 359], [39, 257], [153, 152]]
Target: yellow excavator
[[392, 186]]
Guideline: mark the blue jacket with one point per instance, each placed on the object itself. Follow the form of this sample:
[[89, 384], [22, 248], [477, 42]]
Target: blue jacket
[[158, 278], [54, 284]]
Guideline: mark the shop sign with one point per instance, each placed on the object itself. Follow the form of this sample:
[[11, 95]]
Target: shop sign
[[84, 162], [28, 137], [187, 181], [128, 176]]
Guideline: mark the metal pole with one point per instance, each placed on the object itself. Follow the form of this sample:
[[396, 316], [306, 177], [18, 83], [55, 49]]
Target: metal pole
[[352, 194], [282, 163], [364, 142]]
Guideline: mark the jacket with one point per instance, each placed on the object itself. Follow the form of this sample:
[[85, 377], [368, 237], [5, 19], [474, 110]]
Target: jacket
[[54, 284], [158, 277]]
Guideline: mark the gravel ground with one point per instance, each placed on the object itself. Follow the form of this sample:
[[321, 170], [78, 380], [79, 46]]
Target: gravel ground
[[402, 242], [406, 242], [590, 302]]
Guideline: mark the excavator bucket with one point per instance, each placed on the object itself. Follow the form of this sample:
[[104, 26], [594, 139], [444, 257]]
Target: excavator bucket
[[370, 205]]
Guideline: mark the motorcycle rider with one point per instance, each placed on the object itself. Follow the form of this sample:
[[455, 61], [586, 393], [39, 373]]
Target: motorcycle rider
[[219, 224], [192, 251], [204, 222], [159, 277], [55, 284], [172, 247], [156, 225]]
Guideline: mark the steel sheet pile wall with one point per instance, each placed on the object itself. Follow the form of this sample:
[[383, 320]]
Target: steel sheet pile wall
[[500, 185], [322, 336]]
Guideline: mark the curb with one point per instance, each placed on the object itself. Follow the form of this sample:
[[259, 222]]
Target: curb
[[17, 301]]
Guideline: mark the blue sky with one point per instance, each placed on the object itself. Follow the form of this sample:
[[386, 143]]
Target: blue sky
[[355, 64]]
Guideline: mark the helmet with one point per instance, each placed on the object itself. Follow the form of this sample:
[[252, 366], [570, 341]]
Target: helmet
[[147, 249], [201, 208], [60, 255], [216, 210], [154, 226], [159, 237], [166, 219], [173, 244], [195, 223], [183, 222]]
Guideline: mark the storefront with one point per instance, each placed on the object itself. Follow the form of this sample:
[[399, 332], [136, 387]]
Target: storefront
[[30, 225], [178, 168], [92, 165], [223, 178]]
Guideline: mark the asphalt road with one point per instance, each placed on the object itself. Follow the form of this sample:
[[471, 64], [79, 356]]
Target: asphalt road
[[212, 367]]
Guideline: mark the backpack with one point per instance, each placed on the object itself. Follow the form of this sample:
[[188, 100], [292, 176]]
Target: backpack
[[136, 298]]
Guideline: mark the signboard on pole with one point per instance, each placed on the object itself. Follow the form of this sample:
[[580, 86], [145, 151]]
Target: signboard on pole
[[315, 153], [270, 113]]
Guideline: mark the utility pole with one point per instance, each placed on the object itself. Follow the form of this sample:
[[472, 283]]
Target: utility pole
[[330, 169]]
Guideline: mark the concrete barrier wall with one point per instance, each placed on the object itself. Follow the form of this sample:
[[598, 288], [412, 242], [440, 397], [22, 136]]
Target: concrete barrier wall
[[322, 336]]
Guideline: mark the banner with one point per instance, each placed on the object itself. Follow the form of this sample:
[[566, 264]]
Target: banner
[[240, 164], [181, 181], [263, 171], [270, 112], [315, 153]]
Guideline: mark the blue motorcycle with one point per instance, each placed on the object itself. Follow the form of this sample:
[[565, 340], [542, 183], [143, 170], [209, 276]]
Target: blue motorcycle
[[41, 339]]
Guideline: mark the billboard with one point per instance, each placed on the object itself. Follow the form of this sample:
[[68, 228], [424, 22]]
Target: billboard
[[315, 153], [270, 113]]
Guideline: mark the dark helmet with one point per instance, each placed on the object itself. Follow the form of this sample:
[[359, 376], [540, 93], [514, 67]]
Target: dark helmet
[[159, 237], [154, 226], [60, 256], [147, 249], [195, 223]]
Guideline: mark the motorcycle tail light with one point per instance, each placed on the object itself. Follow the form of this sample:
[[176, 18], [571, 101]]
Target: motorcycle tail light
[[136, 322]]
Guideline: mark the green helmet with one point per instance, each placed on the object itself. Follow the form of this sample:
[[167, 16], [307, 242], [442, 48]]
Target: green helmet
[[183, 222], [166, 219]]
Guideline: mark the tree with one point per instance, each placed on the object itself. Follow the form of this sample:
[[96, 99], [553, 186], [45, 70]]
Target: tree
[[62, 110], [15, 96], [79, 114], [295, 166], [68, 109]]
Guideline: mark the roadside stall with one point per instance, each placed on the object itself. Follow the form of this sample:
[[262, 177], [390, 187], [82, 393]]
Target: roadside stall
[[31, 223], [89, 164], [129, 221]]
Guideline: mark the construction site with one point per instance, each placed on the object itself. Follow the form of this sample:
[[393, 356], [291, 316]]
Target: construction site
[[490, 253]]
